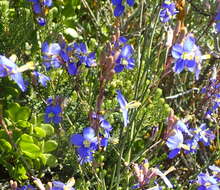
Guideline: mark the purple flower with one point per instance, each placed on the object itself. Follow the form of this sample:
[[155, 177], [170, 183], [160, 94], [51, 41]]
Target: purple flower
[[203, 134], [119, 8], [182, 127], [168, 11], [217, 19], [106, 126], [81, 52], [58, 185], [192, 144], [125, 59], [51, 55], [123, 105], [41, 21], [53, 112], [175, 143], [8, 68], [39, 8], [69, 56], [26, 187], [188, 55], [207, 182], [86, 144], [43, 79]]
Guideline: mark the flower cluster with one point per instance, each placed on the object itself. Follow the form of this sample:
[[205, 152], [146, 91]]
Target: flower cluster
[[53, 111], [90, 140], [168, 11], [207, 181], [9, 68], [188, 139], [40, 8], [144, 175], [69, 56], [119, 7]]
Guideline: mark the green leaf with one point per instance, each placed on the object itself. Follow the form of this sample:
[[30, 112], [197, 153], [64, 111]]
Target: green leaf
[[50, 145], [75, 2], [40, 132], [29, 149], [48, 129], [20, 172], [23, 124], [23, 114], [51, 160], [12, 110], [5, 146], [4, 6], [43, 158], [27, 138], [11, 91], [71, 32]]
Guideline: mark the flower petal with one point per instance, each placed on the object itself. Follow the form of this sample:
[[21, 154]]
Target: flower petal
[[77, 139], [177, 51], [173, 153], [88, 133], [121, 100], [119, 9], [179, 66]]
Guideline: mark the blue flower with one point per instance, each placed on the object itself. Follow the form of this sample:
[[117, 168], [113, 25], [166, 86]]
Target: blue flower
[[69, 56], [168, 11], [175, 143], [58, 185], [107, 129], [207, 182], [40, 9], [81, 52], [104, 129], [8, 68], [26, 187], [43, 79], [119, 8], [125, 59], [87, 144], [180, 125], [53, 112], [217, 19], [48, 3], [188, 56], [184, 54], [192, 144], [41, 21], [203, 134], [122, 102], [51, 55], [125, 106]]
